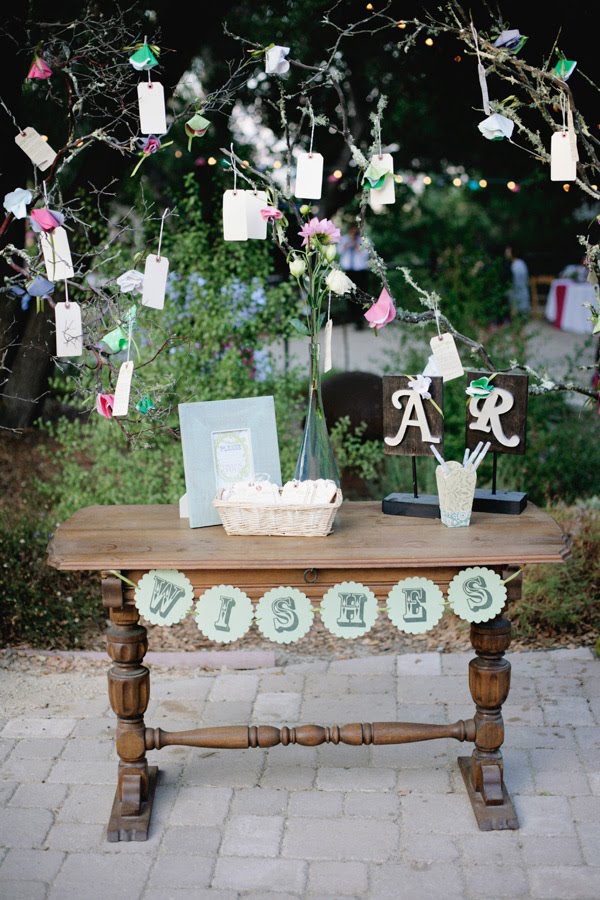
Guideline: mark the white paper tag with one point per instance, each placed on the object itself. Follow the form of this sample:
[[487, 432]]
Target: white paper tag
[[309, 176], [57, 254], [431, 368], [257, 226], [563, 166], [37, 149], [235, 223], [69, 336], [386, 194], [446, 356], [155, 281], [327, 342], [123, 389], [151, 100]]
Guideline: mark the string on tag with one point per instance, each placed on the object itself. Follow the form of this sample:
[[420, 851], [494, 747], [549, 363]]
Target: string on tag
[[234, 169], [162, 225], [312, 127], [67, 303], [148, 70], [378, 138], [481, 73], [436, 311], [130, 330], [45, 193], [329, 308], [11, 117], [563, 110]]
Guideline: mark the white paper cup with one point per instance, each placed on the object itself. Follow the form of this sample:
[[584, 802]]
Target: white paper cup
[[456, 491]]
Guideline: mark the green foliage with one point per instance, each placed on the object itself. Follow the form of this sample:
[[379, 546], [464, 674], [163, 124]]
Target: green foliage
[[40, 606], [558, 599], [353, 453]]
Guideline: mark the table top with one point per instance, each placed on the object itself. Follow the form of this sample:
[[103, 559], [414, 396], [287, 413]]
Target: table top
[[154, 537]]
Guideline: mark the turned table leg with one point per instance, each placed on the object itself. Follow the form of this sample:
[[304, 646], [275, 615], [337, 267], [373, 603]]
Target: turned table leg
[[129, 692], [489, 683]]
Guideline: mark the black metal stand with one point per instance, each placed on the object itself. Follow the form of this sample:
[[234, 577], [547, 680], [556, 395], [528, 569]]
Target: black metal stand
[[508, 503], [424, 506]]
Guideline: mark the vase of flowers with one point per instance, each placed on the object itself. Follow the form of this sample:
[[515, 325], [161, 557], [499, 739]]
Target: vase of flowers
[[313, 267]]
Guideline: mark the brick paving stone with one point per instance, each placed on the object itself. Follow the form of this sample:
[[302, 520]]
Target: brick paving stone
[[355, 779], [455, 663], [90, 804], [370, 839], [568, 711], [23, 890], [366, 665], [416, 882], [39, 865], [497, 881], [428, 713], [427, 848], [77, 772], [594, 780], [261, 874], [6, 748], [72, 836], [196, 840], [409, 756], [7, 790], [532, 664], [89, 750], [252, 836], [16, 769], [289, 778], [590, 683], [559, 687], [424, 781], [548, 850], [225, 712], [39, 748], [24, 828], [343, 755], [522, 736], [544, 815], [432, 689], [327, 710], [201, 806], [330, 685], [294, 754], [419, 664], [99, 876], [192, 688], [563, 784], [491, 848], [371, 805], [282, 681], [234, 687], [259, 801], [25, 727], [177, 870], [438, 814], [39, 796], [589, 835], [230, 768], [277, 708], [585, 809], [564, 883], [315, 803], [191, 894], [343, 877]]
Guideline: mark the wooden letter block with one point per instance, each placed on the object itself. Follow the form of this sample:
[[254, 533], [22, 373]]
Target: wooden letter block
[[411, 423], [501, 416]]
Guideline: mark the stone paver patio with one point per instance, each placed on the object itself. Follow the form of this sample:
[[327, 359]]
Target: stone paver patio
[[381, 822]]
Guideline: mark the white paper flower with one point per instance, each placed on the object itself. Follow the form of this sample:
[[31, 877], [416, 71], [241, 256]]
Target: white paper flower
[[496, 127], [276, 62], [339, 283], [129, 281], [297, 267], [16, 202], [421, 386]]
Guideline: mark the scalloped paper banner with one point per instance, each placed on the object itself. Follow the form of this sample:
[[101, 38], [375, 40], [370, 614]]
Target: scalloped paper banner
[[349, 609], [224, 613], [415, 605], [164, 596], [284, 615], [477, 594]]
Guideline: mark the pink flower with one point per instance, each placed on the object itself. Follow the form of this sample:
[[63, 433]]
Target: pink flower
[[323, 230], [105, 404], [382, 312], [271, 213], [39, 69], [151, 145], [46, 219]]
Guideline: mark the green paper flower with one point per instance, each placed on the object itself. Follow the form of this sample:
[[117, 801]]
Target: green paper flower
[[374, 175], [144, 405], [480, 387]]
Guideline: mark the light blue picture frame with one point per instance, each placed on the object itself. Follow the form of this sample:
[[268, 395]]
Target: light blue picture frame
[[199, 421]]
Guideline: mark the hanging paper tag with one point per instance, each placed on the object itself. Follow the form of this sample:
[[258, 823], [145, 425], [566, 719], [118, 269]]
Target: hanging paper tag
[[224, 613], [309, 176], [257, 226], [484, 90], [446, 356], [69, 333], [155, 281], [284, 615], [57, 254], [327, 341], [37, 149], [385, 194], [123, 389], [477, 594], [235, 223], [562, 165], [164, 596], [151, 100]]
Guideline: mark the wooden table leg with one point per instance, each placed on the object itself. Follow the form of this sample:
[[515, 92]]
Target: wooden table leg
[[489, 683], [129, 692]]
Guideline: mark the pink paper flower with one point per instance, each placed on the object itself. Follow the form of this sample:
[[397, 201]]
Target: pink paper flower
[[46, 219], [39, 69], [151, 145], [322, 229], [105, 404], [269, 212], [382, 312]]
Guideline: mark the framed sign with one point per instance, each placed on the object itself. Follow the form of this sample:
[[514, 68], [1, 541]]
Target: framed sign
[[412, 419], [225, 441], [497, 411]]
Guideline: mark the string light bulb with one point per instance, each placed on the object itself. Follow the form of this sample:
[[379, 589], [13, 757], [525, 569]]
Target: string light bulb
[[483, 183], [429, 42], [277, 164], [427, 179], [456, 182], [566, 188], [401, 24], [511, 185], [178, 154], [211, 161], [369, 7], [338, 174], [398, 179]]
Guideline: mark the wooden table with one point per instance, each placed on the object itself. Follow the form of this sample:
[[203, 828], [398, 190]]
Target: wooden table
[[366, 546]]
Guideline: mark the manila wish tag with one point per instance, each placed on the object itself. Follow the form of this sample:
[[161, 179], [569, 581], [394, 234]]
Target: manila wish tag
[[69, 333], [309, 176], [36, 148], [235, 222], [123, 389], [255, 223], [57, 254], [155, 281], [446, 356], [563, 165], [327, 341], [151, 101]]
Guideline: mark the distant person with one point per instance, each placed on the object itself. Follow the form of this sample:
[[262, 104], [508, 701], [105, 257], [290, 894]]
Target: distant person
[[518, 294], [354, 260]]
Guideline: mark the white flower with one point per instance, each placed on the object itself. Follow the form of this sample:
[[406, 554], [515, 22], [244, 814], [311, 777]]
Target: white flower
[[339, 283], [496, 127], [16, 202], [276, 62], [547, 384], [297, 267], [421, 386], [329, 252], [129, 281]]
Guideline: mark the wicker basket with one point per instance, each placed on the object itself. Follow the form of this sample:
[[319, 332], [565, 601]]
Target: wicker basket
[[287, 521]]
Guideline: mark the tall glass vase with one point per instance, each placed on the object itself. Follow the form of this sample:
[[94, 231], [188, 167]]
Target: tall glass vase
[[316, 459]]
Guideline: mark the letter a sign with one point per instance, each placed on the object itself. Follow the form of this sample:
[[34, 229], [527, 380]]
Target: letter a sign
[[412, 421], [499, 416]]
